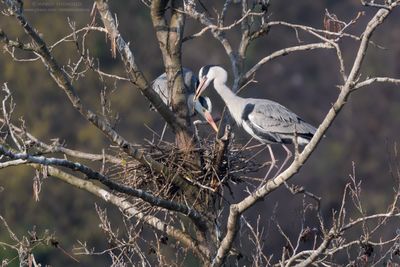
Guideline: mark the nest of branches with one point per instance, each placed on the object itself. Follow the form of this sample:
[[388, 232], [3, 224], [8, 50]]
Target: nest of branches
[[222, 163]]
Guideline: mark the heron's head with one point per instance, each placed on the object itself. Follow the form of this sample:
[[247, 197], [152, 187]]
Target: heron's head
[[207, 74], [203, 107]]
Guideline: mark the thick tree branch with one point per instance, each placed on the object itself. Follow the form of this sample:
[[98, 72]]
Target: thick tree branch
[[60, 77], [169, 37], [129, 209], [90, 174], [135, 74]]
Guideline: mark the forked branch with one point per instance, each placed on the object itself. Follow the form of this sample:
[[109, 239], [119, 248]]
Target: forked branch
[[62, 80]]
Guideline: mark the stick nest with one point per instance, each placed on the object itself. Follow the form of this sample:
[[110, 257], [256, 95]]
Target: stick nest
[[204, 183]]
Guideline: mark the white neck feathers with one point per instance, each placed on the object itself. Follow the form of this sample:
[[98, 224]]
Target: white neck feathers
[[232, 101]]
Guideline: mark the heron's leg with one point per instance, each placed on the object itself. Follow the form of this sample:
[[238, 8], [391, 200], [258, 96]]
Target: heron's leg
[[288, 156], [273, 161]]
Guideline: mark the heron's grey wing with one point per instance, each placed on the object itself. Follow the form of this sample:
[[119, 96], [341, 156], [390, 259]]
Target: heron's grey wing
[[269, 116], [160, 85], [251, 123]]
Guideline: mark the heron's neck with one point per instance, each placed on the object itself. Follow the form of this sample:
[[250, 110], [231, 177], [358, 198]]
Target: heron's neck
[[225, 92], [232, 101]]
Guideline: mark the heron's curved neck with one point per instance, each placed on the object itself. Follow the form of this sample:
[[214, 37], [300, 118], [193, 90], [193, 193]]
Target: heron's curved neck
[[225, 92], [232, 101]]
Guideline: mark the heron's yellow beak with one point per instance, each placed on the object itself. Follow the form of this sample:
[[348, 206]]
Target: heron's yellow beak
[[210, 120], [200, 88]]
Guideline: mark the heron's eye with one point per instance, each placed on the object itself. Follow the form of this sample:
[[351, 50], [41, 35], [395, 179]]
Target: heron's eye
[[204, 110]]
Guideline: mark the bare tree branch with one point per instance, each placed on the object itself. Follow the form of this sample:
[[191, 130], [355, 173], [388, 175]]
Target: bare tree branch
[[135, 74], [376, 80], [313, 256], [64, 83], [237, 209], [129, 209], [145, 196], [190, 10], [14, 44], [54, 148], [283, 52]]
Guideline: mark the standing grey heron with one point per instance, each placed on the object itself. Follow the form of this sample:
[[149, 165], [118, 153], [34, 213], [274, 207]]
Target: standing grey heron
[[265, 120], [201, 106]]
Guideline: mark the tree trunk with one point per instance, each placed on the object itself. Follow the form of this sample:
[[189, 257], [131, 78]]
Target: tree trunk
[[170, 40]]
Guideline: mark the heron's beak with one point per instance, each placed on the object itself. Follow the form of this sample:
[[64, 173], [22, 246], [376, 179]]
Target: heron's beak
[[210, 120], [200, 88]]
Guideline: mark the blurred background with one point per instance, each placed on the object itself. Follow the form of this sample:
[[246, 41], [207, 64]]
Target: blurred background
[[365, 133]]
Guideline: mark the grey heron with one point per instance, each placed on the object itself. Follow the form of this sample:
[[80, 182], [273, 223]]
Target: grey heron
[[201, 106], [265, 120]]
